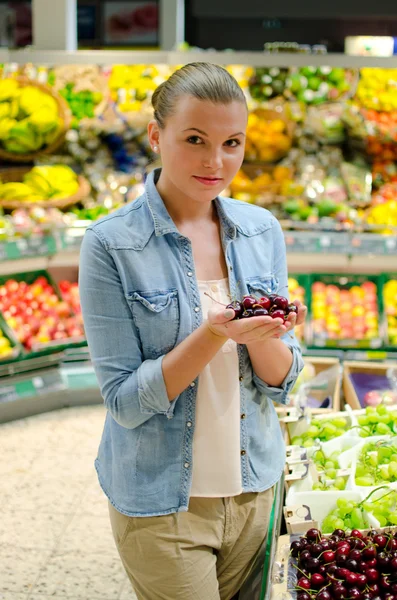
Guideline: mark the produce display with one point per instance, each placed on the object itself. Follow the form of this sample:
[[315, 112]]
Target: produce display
[[352, 565], [377, 421], [390, 303], [6, 349], [322, 431], [298, 293], [41, 184], [268, 138], [328, 467], [343, 313], [29, 117], [37, 315], [377, 463]]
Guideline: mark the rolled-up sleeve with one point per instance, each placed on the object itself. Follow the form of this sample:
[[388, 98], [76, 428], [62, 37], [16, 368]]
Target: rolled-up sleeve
[[281, 394], [133, 389]]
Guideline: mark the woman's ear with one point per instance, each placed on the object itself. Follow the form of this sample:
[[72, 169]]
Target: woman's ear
[[154, 135]]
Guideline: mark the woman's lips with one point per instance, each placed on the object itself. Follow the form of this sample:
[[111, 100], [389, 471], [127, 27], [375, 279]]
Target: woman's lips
[[208, 180]]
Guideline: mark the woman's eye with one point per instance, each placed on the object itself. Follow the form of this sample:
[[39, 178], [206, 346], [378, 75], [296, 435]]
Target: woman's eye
[[233, 143], [194, 139]]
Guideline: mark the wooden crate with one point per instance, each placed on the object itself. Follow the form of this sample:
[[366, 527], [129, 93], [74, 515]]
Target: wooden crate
[[320, 364], [349, 392]]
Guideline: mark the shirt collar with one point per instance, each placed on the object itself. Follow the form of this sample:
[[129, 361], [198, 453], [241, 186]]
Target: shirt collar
[[162, 221]]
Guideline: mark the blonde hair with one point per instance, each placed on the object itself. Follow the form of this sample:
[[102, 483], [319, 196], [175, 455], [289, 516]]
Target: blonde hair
[[204, 81]]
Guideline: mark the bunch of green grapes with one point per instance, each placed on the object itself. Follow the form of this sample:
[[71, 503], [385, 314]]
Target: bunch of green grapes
[[321, 431], [346, 515], [383, 508], [377, 463], [377, 421], [328, 469]]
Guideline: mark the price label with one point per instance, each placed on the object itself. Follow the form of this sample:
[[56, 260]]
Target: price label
[[28, 247]]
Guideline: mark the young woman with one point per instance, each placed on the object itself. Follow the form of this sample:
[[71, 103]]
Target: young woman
[[191, 447]]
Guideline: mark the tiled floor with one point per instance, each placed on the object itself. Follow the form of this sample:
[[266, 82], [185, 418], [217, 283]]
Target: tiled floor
[[55, 535]]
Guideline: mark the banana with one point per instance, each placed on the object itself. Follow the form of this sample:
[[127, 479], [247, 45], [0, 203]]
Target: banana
[[15, 191], [5, 127], [8, 89]]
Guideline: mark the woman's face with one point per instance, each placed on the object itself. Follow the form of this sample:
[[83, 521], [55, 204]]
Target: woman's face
[[201, 146]]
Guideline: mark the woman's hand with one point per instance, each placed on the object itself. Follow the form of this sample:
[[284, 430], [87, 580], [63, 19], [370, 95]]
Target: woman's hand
[[253, 329]]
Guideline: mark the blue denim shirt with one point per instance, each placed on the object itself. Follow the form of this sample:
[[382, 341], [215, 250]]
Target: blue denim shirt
[[140, 298]]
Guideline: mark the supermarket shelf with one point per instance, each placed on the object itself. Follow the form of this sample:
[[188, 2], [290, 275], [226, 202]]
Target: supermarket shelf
[[306, 250], [256, 59], [48, 389]]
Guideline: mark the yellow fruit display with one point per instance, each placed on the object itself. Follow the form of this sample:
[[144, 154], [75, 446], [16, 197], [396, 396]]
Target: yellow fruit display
[[377, 89], [267, 138], [383, 214], [297, 292], [130, 85], [390, 303], [29, 117], [42, 184], [5, 346], [252, 190]]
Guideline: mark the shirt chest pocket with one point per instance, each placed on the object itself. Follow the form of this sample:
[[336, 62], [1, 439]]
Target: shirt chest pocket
[[262, 286], [156, 316]]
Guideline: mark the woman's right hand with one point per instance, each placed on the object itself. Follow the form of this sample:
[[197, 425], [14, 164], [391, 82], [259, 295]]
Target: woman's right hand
[[244, 331]]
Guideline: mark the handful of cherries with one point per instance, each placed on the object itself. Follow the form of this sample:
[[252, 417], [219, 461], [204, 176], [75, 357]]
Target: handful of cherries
[[346, 566], [273, 306]]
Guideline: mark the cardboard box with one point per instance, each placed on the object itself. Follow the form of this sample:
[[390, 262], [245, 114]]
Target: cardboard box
[[349, 392]]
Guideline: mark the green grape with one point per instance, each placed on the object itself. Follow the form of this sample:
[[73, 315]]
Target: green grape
[[330, 473], [361, 471], [373, 418], [373, 460], [348, 524], [370, 410], [339, 432], [381, 518], [329, 464], [308, 443], [313, 431], [382, 429], [340, 483], [342, 503], [329, 430], [357, 518], [386, 420], [393, 469], [297, 441], [362, 420], [384, 472], [339, 524], [319, 456], [392, 517], [365, 481], [317, 486], [381, 409], [364, 433], [339, 423]]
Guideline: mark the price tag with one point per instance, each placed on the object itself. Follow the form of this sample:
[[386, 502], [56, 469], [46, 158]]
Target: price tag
[[29, 247]]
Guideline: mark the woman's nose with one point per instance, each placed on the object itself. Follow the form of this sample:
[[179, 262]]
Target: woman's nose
[[213, 160]]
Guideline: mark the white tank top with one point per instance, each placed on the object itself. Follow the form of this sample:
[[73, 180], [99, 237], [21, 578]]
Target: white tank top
[[216, 441]]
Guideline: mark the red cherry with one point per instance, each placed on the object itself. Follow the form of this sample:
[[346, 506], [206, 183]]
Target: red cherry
[[351, 579], [265, 302], [324, 595], [249, 301], [278, 314], [372, 575], [380, 540], [328, 556], [313, 534], [304, 583], [357, 534], [361, 580], [317, 580], [281, 302], [355, 594]]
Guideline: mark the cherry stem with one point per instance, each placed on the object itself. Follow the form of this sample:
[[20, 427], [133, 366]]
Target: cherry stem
[[213, 299]]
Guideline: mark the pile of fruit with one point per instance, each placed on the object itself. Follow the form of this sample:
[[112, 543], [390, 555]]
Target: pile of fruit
[[345, 566], [383, 209], [316, 85], [376, 89], [277, 182], [328, 467], [130, 85], [70, 293], [268, 139], [29, 118], [322, 430], [274, 306], [6, 349], [377, 463], [377, 421], [390, 303], [298, 292], [341, 313], [37, 315], [42, 184], [82, 86], [266, 83]]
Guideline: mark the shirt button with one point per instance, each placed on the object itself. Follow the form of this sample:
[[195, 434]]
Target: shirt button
[[243, 453], [214, 288], [241, 378], [186, 465], [189, 274], [243, 416], [196, 309], [189, 423], [193, 384]]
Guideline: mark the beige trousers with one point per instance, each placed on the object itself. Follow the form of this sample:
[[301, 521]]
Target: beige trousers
[[203, 554]]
